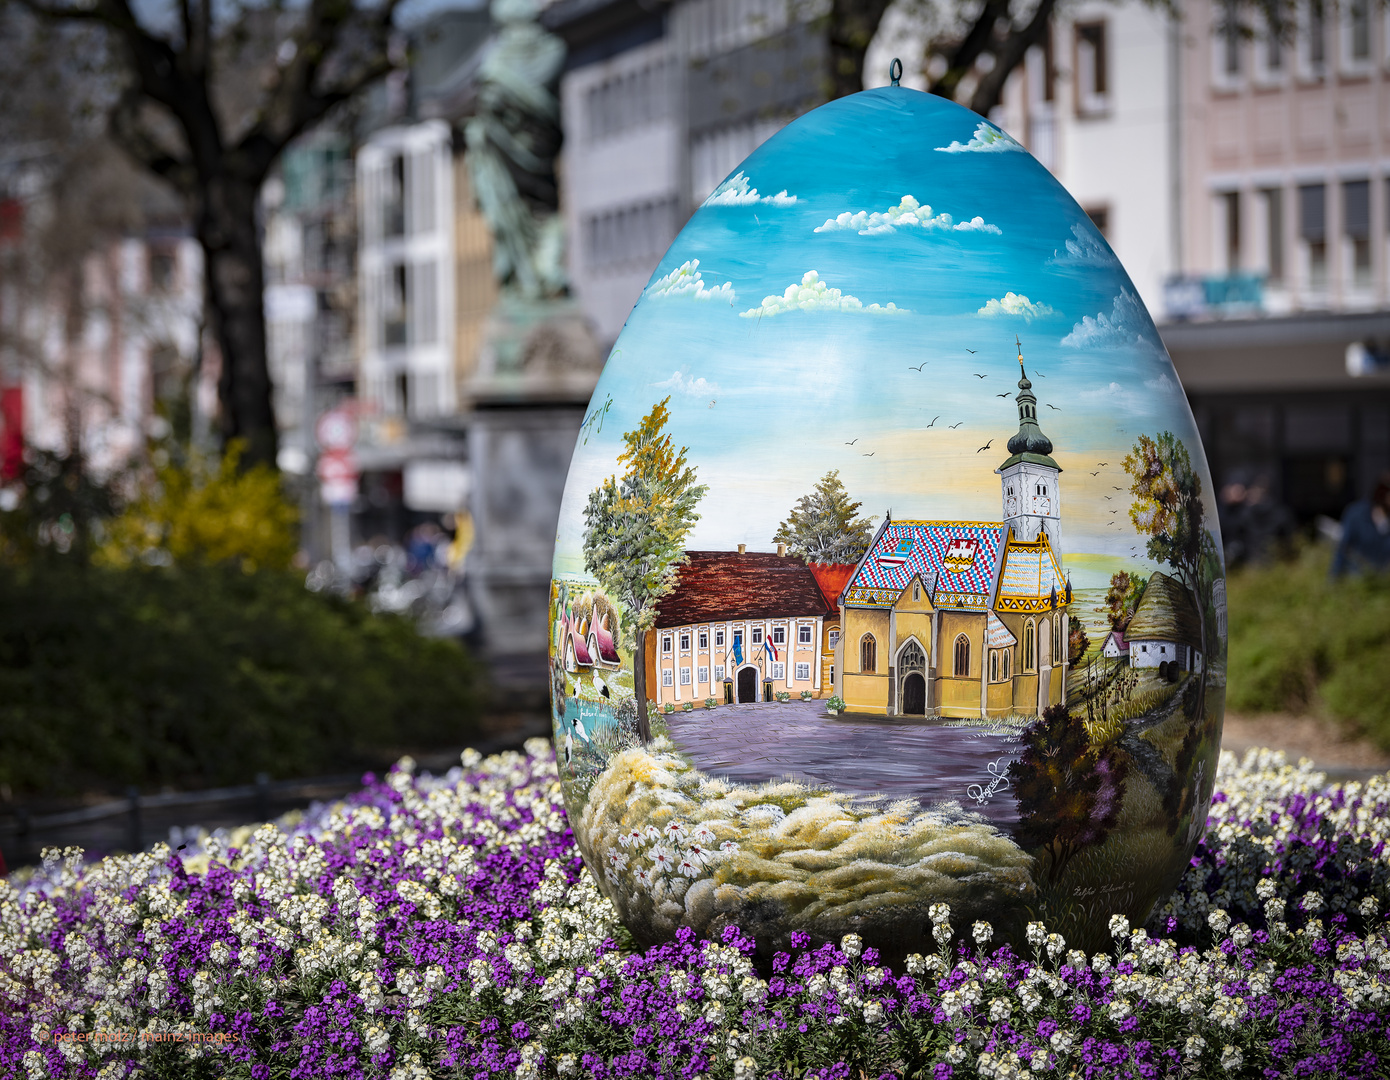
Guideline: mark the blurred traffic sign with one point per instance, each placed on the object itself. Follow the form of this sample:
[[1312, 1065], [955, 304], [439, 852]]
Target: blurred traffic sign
[[337, 473], [336, 430]]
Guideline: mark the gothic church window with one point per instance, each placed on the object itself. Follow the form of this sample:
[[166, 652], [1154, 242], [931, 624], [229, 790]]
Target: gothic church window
[[962, 657], [868, 654]]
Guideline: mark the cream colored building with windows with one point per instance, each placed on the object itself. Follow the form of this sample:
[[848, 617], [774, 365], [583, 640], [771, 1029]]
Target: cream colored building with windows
[[739, 627]]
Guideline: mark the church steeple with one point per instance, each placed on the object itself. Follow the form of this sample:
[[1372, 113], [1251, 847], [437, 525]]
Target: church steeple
[[1030, 444], [1031, 493]]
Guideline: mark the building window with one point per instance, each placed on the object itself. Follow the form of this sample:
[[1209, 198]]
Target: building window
[[628, 100], [757, 635], [1274, 234], [162, 267], [738, 639], [1356, 35], [1269, 64], [868, 654], [1314, 39], [1092, 77], [685, 643], [962, 658], [803, 634], [1030, 646], [803, 672], [777, 671], [665, 676], [718, 672], [1059, 639], [834, 639], [1312, 230], [719, 638], [1356, 226], [999, 665], [779, 635], [665, 643], [704, 639], [1227, 51], [1228, 230], [916, 590], [832, 675], [702, 675], [685, 676]]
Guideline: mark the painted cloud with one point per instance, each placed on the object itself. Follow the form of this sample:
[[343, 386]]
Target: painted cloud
[[1012, 303], [681, 382], [685, 281], [812, 294], [1125, 326], [736, 191], [909, 212], [1085, 250], [988, 139]]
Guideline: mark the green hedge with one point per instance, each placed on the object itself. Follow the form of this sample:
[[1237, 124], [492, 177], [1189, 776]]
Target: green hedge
[[204, 675], [1300, 642]]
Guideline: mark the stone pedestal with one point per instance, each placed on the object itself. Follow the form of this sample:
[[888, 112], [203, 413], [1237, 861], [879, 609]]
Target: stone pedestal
[[536, 371]]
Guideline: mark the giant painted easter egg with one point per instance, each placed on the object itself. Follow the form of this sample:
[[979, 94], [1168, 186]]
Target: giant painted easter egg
[[888, 571]]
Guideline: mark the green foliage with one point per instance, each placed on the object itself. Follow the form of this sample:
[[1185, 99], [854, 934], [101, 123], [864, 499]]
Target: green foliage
[[1122, 598], [205, 510], [1077, 641], [61, 509], [824, 526], [201, 675], [1301, 642]]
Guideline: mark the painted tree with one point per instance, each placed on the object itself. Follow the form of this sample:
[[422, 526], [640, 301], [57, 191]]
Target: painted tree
[[1122, 598], [1168, 509], [635, 526], [206, 97], [1069, 791], [824, 526]]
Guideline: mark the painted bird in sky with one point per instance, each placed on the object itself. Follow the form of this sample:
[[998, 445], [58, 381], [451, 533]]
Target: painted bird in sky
[[1102, 463], [978, 375], [956, 425], [1053, 407], [1004, 394], [970, 351], [987, 445], [871, 453], [851, 442], [1095, 474], [934, 419], [919, 367]]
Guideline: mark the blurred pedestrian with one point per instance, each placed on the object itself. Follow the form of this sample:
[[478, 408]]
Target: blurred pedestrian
[[1365, 541]]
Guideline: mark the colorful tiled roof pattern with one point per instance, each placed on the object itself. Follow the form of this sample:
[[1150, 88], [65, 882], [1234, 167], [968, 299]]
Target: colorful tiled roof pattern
[[958, 556], [997, 635], [1029, 576], [715, 586], [832, 579]]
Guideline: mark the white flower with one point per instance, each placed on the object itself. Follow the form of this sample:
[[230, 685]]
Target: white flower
[[1265, 890], [873, 1012], [745, 1068], [1119, 926], [1037, 934], [1192, 1049], [1311, 903], [1219, 922], [982, 932], [1231, 1058], [939, 914], [851, 945], [916, 964]]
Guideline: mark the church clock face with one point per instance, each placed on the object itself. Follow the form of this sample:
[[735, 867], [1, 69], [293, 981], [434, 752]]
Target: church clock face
[[1011, 506], [1044, 506]]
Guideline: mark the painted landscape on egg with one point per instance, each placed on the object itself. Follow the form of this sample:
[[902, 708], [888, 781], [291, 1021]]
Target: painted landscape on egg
[[864, 605]]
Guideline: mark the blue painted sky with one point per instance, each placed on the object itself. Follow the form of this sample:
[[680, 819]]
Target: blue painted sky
[[881, 232]]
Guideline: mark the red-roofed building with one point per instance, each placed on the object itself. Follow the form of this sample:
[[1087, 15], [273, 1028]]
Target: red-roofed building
[[754, 618]]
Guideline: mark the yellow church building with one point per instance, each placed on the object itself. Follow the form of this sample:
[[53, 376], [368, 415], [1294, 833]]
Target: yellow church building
[[964, 618]]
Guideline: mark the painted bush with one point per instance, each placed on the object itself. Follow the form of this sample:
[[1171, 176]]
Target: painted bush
[[887, 572]]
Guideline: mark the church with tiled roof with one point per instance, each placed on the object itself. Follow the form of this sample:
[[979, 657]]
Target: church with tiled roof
[[964, 618]]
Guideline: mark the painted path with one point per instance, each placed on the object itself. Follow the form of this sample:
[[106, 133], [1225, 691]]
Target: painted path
[[797, 740]]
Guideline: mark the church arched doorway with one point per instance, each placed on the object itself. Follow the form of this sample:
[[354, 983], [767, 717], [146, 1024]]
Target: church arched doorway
[[747, 684], [914, 695]]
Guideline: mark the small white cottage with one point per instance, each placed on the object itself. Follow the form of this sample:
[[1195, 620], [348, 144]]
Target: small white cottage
[[1165, 630], [1116, 647]]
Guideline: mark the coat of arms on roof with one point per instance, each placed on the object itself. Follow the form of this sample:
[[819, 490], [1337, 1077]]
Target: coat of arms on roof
[[960, 555]]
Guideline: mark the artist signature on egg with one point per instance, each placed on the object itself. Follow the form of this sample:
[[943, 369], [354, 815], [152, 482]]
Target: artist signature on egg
[[982, 793]]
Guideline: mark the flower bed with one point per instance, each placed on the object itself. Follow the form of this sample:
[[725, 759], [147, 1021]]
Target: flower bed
[[446, 927]]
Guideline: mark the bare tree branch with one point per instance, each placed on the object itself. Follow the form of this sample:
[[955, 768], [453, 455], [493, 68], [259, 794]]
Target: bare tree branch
[[1008, 55], [976, 42]]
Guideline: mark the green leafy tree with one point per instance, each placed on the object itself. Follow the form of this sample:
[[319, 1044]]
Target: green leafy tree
[[1168, 509], [824, 526], [1077, 641], [1069, 791], [634, 534], [1122, 598]]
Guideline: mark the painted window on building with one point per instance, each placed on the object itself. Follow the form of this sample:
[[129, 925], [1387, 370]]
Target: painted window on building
[[1030, 646], [704, 639], [779, 635], [685, 643], [757, 635], [778, 671], [803, 634], [702, 675], [868, 654], [803, 672], [834, 638], [962, 657], [685, 676], [665, 676], [665, 643], [719, 638], [718, 672]]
